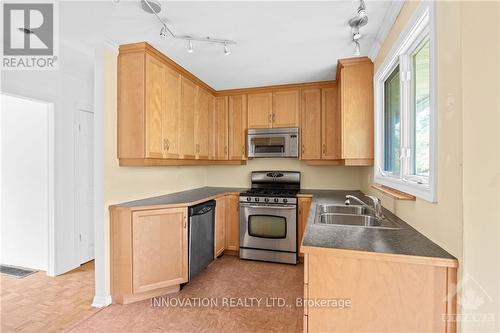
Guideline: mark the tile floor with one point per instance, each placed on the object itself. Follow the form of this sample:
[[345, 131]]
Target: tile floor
[[227, 280]]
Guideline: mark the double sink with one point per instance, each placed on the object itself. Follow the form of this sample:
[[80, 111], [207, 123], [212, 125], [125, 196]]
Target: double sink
[[352, 216]]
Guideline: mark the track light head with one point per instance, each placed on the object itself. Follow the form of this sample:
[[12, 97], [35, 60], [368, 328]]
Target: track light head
[[357, 50], [226, 49], [163, 32], [190, 47]]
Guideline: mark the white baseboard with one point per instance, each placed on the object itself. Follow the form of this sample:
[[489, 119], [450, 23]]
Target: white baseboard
[[101, 301]]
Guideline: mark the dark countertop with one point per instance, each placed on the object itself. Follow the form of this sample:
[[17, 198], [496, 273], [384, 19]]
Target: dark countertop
[[404, 241], [184, 197]]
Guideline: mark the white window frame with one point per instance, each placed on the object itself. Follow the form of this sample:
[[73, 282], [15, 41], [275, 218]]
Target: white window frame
[[420, 27]]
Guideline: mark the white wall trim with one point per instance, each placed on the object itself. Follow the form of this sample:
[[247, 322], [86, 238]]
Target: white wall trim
[[51, 265], [422, 20], [390, 17], [101, 301]]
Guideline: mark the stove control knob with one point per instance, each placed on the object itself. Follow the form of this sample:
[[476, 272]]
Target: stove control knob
[[276, 199], [249, 199], [256, 199], [266, 199], [285, 200]]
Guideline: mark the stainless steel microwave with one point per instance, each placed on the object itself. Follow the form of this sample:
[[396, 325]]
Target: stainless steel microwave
[[273, 142]]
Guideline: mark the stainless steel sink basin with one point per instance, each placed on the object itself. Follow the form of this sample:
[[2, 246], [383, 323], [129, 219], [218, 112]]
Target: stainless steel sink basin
[[343, 209], [352, 216]]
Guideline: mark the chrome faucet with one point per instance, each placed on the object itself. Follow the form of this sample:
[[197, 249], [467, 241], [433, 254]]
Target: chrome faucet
[[377, 206]]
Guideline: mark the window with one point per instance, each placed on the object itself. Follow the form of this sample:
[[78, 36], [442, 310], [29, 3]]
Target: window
[[405, 112]]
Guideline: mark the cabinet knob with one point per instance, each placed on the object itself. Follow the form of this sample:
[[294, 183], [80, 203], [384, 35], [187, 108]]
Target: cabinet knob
[[274, 117], [270, 118], [324, 148], [303, 149], [166, 144], [243, 150]]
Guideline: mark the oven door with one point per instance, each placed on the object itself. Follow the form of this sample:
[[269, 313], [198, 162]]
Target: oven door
[[269, 227]]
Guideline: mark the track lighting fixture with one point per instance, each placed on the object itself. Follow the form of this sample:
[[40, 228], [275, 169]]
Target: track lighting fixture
[[356, 22], [154, 7]]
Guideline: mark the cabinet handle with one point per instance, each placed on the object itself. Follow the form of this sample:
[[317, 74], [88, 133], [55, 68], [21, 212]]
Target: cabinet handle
[[270, 118], [274, 117], [324, 148], [303, 149], [243, 150], [185, 222], [225, 149], [166, 144]]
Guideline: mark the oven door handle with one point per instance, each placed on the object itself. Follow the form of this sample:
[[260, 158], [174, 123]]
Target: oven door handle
[[269, 206]]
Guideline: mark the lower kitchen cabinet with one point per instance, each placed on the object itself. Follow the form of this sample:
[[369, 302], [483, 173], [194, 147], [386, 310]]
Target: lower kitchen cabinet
[[232, 222], [220, 226], [149, 252], [304, 204], [377, 293]]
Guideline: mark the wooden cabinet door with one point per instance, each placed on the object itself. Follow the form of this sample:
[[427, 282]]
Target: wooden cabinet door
[[202, 128], [220, 226], [356, 93], [260, 110], [286, 108], [155, 97], [172, 113], [159, 248], [233, 222], [304, 204], [330, 125], [211, 129], [310, 120], [186, 126], [221, 127], [237, 125]]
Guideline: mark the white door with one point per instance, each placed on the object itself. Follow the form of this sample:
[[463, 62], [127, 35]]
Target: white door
[[84, 167]]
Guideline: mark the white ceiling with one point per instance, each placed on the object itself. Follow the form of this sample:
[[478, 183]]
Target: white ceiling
[[277, 42]]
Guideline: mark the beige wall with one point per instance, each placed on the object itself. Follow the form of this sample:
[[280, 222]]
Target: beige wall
[[317, 177], [466, 218], [481, 145]]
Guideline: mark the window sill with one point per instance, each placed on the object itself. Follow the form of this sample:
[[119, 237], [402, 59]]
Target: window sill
[[394, 193]]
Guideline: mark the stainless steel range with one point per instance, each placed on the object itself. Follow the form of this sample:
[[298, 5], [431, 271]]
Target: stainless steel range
[[268, 217]]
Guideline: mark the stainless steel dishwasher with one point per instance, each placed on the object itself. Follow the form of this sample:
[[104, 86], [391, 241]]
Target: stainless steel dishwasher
[[201, 237]]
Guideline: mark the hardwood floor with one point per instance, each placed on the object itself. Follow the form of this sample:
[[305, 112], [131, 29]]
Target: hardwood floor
[[227, 278], [39, 303]]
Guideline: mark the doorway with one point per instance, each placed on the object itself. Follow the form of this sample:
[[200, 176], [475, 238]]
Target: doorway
[[27, 173], [84, 176]]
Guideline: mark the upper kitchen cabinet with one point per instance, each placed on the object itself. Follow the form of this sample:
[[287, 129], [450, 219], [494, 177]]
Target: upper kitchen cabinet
[[186, 125], [203, 124], [286, 106], [237, 126], [310, 129], [260, 110], [220, 128], [274, 109], [330, 124], [355, 100], [165, 114], [171, 113]]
